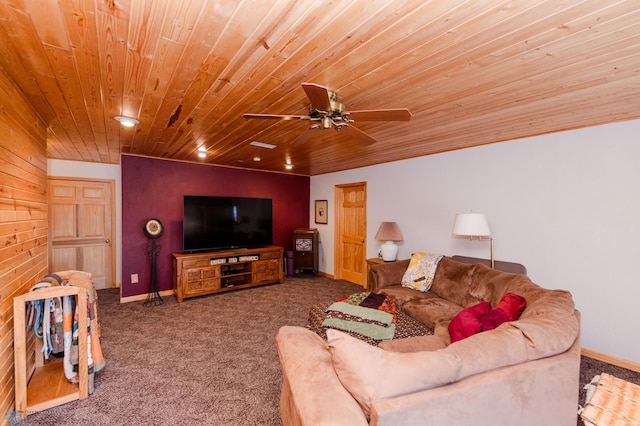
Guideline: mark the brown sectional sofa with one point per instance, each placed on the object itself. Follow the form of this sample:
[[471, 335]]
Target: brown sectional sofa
[[524, 372]]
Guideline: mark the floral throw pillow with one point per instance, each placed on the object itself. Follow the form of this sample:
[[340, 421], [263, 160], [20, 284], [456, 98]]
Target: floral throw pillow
[[421, 270]]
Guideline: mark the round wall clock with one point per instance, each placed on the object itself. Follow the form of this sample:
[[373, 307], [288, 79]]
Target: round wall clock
[[153, 228]]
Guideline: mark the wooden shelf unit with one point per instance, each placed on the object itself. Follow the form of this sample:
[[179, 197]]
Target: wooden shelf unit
[[48, 387], [197, 274]]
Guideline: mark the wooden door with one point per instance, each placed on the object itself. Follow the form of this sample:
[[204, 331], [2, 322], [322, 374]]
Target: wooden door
[[80, 228], [351, 232]]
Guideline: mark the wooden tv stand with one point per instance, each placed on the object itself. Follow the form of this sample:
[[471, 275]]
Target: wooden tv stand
[[198, 274]]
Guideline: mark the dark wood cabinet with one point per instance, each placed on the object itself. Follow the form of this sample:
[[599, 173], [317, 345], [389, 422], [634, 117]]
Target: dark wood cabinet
[[305, 249]]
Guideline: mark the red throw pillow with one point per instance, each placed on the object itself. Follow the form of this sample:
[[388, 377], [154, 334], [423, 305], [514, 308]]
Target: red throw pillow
[[468, 321], [509, 308]]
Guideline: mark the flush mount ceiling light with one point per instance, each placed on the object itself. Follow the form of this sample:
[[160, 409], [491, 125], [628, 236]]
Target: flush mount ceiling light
[[126, 121], [262, 145], [202, 152], [288, 166]]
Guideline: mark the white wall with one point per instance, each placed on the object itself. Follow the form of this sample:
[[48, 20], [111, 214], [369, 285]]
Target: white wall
[[78, 169], [566, 205]]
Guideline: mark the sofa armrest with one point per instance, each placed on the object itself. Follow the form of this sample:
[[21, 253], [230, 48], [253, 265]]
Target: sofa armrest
[[385, 274], [311, 391]]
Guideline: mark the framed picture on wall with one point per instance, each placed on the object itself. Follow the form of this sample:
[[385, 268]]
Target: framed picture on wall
[[321, 211]]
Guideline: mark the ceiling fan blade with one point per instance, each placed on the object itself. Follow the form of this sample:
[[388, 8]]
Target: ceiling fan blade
[[303, 137], [276, 116], [358, 135], [400, 114], [318, 95]]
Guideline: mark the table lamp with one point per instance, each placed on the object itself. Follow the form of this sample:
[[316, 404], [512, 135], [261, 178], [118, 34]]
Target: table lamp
[[389, 232]]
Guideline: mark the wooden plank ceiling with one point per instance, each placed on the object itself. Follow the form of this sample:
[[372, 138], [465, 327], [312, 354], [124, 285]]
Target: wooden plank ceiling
[[471, 72]]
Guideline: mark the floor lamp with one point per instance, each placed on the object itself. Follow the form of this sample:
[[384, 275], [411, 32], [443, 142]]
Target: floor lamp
[[473, 226]]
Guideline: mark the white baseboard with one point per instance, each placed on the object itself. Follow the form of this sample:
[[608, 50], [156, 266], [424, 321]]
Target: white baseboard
[[629, 365]]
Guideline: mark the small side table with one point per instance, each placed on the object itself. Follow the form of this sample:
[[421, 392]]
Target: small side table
[[372, 261]]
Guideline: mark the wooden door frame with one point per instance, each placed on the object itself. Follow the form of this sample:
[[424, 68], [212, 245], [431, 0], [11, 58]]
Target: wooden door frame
[[112, 186], [337, 237]]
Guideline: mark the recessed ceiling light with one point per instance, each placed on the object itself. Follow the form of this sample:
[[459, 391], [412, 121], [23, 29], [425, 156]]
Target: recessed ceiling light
[[262, 145], [126, 121], [256, 158]]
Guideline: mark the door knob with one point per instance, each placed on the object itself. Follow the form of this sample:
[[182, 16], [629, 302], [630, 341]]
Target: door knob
[[107, 241]]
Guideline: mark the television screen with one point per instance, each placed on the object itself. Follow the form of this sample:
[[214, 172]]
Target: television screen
[[217, 223]]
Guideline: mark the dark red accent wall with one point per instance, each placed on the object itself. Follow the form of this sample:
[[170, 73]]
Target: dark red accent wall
[[154, 188]]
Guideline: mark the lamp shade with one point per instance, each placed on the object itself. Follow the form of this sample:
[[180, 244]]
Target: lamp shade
[[388, 231], [471, 225]]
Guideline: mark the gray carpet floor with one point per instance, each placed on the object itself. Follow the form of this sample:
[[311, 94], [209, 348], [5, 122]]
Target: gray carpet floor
[[210, 360]]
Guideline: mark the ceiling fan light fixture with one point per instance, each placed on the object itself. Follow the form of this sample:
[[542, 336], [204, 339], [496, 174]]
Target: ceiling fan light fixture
[[126, 121], [336, 107], [327, 112]]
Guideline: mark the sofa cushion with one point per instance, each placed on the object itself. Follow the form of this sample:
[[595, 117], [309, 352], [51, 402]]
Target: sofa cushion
[[386, 273], [481, 317], [491, 284], [402, 295], [454, 280], [508, 309], [431, 309], [468, 321], [512, 304], [421, 270], [370, 373]]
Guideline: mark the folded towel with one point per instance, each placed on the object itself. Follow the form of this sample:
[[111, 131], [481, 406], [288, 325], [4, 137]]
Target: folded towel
[[374, 331], [362, 312], [368, 322]]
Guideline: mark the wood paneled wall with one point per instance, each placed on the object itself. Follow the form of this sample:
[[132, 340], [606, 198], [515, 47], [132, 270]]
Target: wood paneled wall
[[23, 216]]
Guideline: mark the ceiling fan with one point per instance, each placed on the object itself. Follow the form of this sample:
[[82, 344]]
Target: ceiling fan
[[327, 113]]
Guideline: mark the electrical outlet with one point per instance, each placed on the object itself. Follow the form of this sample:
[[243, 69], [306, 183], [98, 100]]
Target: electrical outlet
[[134, 278]]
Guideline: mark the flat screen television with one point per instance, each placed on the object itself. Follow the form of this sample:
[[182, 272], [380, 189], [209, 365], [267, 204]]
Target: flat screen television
[[216, 223]]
